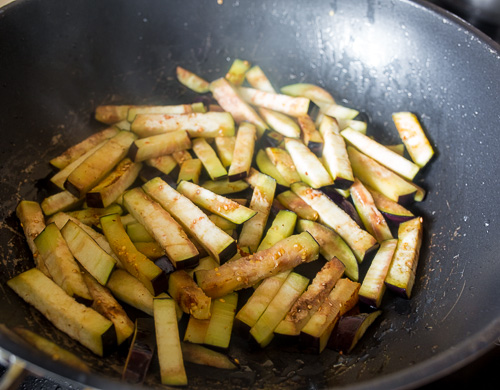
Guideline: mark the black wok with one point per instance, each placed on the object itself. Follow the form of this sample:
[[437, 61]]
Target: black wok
[[60, 59]]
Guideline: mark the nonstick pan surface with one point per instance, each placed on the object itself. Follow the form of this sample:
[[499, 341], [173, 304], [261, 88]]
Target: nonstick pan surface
[[59, 60]]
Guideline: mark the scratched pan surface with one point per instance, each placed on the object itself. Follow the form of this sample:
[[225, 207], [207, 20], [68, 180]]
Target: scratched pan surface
[[60, 59]]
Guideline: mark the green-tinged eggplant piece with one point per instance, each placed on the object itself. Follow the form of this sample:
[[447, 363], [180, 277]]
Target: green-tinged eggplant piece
[[133, 261], [335, 158], [247, 271], [309, 302], [74, 152], [350, 329], [225, 149], [190, 170], [310, 135], [107, 191], [373, 221], [217, 243], [331, 245], [413, 136], [168, 343], [199, 354], [51, 349], [292, 288], [310, 91], [282, 227], [373, 286], [264, 188], [62, 266], [206, 154], [308, 165], [175, 109], [315, 334], [192, 80], [151, 249], [217, 204], [159, 145], [381, 154], [141, 351], [283, 162], [360, 241], [196, 124], [61, 201], [78, 321], [389, 208], [105, 303], [130, 290], [258, 79], [88, 253], [225, 187], [268, 168], [243, 152], [221, 321], [281, 123], [191, 298], [90, 215], [32, 221], [138, 233], [401, 275], [164, 164], [293, 106], [163, 227], [294, 203], [99, 164], [228, 98], [236, 73]]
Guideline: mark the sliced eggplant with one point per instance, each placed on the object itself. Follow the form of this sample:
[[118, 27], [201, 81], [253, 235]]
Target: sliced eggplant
[[137, 232], [246, 271], [337, 111], [163, 110], [105, 303], [163, 227], [81, 323], [108, 190], [110, 114], [168, 343], [281, 123], [310, 135], [258, 79], [191, 299], [159, 145], [293, 106], [221, 321], [130, 290], [76, 151], [282, 227], [316, 333], [309, 302], [335, 158], [264, 188], [222, 223], [141, 351], [99, 164], [199, 354], [373, 220], [88, 253], [134, 262], [62, 266], [61, 201], [283, 162], [236, 73], [218, 243], [389, 208], [192, 80], [308, 166], [225, 149], [413, 136], [350, 329], [209, 159], [229, 99], [401, 275], [331, 245], [225, 187], [381, 154], [381, 179], [360, 241], [294, 203], [268, 168], [196, 330], [90, 215], [217, 204], [373, 287], [310, 91], [152, 250], [181, 155], [196, 124], [243, 152], [190, 171], [164, 164], [287, 295]]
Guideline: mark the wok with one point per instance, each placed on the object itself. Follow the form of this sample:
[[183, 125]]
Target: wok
[[61, 59]]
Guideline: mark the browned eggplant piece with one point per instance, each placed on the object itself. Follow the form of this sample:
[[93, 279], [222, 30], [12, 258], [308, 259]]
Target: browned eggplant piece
[[199, 354], [192, 80], [110, 114], [191, 298], [243, 152], [293, 106], [350, 329], [159, 145], [141, 351], [174, 109], [390, 209], [310, 135]]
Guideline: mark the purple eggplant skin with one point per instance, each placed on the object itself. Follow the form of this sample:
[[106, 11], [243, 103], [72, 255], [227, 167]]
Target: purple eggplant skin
[[141, 351], [349, 330], [270, 138], [147, 173], [344, 204], [397, 219]]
